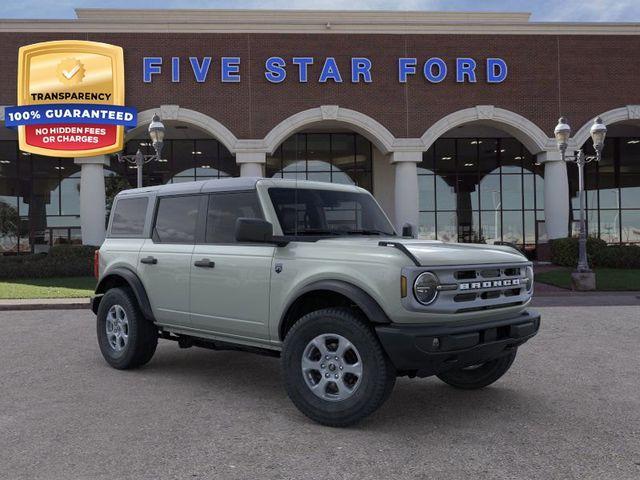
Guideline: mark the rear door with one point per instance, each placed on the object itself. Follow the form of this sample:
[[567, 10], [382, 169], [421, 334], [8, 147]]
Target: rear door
[[230, 280], [164, 262]]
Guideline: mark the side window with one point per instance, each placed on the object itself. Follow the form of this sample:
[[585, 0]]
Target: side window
[[223, 211], [128, 216], [176, 219]]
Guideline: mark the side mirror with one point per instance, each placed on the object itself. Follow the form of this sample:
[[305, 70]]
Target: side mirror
[[407, 230], [254, 230]]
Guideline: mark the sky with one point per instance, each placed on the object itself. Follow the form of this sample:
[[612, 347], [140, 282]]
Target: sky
[[542, 10]]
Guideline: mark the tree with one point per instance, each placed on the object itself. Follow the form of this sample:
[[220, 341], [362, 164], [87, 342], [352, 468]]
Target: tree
[[9, 221], [114, 184]]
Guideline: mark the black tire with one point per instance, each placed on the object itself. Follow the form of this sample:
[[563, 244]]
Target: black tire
[[473, 378], [142, 334], [375, 384]]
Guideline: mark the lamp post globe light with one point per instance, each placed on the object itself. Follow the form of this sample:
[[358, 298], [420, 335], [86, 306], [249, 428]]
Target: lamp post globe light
[[156, 134], [583, 278]]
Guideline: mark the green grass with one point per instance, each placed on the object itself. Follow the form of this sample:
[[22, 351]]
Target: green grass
[[68, 287], [607, 279]]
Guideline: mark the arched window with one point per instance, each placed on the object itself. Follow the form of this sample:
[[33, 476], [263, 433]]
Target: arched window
[[325, 157]]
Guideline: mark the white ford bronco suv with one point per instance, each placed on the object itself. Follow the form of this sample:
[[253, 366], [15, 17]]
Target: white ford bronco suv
[[313, 273]]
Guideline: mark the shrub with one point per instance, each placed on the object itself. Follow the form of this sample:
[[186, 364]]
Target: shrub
[[618, 256], [564, 252], [61, 261]]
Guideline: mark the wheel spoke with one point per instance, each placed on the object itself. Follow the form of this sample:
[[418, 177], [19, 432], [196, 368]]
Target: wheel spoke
[[308, 364], [321, 386], [321, 345], [354, 369], [343, 347]]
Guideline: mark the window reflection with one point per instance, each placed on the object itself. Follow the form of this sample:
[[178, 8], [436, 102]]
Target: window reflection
[[612, 191], [325, 157], [480, 190]]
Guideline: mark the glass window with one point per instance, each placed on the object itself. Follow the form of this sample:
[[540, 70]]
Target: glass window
[[9, 223], [445, 194], [512, 229], [445, 156], [490, 197], [176, 219], [427, 227], [426, 166], [182, 164], [70, 196], [630, 226], [227, 166], [224, 209], [512, 192], [487, 155], [511, 155], [629, 155], [447, 226], [630, 190], [467, 154], [327, 212], [342, 152], [467, 192], [8, 159], [492, 226], [128, 216], [609, 225], [427, 195], [325, 157], [319, 152]]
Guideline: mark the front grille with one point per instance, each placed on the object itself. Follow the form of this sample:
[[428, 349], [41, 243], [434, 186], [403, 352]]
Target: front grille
[[486, 287]]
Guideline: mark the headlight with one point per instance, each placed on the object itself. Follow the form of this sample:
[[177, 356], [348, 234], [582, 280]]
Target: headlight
[[529, 276], [425, 288]]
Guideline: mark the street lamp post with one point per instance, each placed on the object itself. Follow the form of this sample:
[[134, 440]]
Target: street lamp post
[[156, 133], [562, 133]]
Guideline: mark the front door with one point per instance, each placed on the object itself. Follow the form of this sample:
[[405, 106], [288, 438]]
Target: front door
[[165, 259], [229, 280]]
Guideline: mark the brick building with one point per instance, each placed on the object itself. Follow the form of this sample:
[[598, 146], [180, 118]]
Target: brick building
[[447, 118]]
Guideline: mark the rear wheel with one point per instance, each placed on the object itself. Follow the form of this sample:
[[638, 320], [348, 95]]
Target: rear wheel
[[478, 376], [335, 370], [126, 338]]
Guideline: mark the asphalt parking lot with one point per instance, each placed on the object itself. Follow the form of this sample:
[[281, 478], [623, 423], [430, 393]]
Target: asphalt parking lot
[[569, 408]]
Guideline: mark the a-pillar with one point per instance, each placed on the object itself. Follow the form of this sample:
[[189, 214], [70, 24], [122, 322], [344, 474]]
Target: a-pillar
[[92, 199], [556, 194], [251, 163], [406, 189]]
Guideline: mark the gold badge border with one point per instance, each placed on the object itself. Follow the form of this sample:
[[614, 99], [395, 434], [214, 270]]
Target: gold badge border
[[71, 47]]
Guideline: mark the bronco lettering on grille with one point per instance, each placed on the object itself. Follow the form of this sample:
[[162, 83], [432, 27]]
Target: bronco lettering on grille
[[489, 284]]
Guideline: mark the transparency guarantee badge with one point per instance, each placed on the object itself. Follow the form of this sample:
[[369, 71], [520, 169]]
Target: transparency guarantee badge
[[71, 99]]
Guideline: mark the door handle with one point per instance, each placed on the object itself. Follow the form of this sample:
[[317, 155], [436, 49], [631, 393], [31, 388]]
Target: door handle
[[149, 260], [205, 263]]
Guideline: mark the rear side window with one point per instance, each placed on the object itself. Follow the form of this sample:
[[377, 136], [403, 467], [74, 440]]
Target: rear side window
[[176, 219], [128, 216], [223, 211]]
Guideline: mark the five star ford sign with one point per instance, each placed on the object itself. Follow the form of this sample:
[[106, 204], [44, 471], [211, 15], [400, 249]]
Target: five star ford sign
[[70, 99]]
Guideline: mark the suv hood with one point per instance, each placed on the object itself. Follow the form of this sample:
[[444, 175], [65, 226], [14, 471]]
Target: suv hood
[[436, 253]]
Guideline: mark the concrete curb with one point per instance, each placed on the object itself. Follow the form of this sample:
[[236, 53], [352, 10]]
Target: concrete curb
[[45, 304]]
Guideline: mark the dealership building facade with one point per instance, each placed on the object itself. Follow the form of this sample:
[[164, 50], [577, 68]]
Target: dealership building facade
[[447, 118]]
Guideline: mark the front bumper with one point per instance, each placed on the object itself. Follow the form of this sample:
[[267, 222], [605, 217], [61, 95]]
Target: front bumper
[[423, 350]]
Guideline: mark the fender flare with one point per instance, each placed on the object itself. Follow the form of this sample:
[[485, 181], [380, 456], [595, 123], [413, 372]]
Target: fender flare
[[134, 282], [362, 299]]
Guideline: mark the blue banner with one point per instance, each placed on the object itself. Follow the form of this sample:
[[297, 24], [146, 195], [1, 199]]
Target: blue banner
[[70, 113]]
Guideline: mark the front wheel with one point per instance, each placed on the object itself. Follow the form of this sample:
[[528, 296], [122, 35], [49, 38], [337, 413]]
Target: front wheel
[[335, 370], [478, 376]]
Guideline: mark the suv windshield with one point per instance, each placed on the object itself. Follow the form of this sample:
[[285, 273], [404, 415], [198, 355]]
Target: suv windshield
[[328, 212]]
